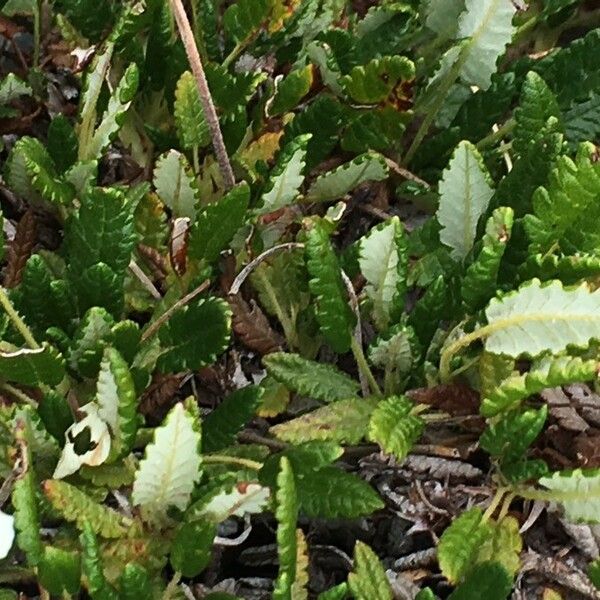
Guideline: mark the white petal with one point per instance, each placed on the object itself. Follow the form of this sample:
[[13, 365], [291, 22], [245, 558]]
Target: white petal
[[7, 533]]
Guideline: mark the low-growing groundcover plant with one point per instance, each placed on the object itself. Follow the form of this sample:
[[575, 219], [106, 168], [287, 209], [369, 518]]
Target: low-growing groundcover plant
[[286, 279]]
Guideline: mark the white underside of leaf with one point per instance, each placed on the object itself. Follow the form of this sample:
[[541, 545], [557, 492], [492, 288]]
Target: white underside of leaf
[[170, 468], [175, 185], [242, 499], [578, 492], [107, 396], [539, 318], [286, 186], [464, 197]]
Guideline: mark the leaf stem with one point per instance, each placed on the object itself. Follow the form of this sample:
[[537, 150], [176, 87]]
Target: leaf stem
[[19, 324], [187, 37], [491, 509], [447, 82], [363, 366], [492, 138], [452, 349], [18, 394], [36, 33], [223, 459]]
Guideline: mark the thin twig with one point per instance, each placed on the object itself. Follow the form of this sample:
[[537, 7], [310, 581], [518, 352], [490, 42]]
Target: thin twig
[[243, 274], [18, 394], [156, 325], [187, 37], [406, 173], [144, 280]]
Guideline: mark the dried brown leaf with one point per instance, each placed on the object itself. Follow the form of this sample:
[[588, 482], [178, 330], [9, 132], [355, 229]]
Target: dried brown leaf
[[20, 249], [158, 397], [252, 327], [456, 399]]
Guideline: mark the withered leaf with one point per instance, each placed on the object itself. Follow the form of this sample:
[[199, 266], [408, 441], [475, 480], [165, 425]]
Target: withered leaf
[[20, 249], [455, 399]]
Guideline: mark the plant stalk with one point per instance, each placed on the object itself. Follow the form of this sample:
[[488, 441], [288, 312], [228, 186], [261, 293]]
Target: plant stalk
[[222, 459], [16, 320], [187, 37], [363, 366]]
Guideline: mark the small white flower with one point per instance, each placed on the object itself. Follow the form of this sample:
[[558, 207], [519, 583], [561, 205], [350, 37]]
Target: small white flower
[[7, 533], [99, 440]]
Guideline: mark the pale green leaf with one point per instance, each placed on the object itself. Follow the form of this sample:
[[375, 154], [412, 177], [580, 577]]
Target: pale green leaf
[[170, 468], [442, 16], [465, 193], [175, 184], [192, 127], [291, 90], [368, 580], [504, 545]]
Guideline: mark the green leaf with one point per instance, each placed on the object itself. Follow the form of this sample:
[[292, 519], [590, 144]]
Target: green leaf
[[394, 428], [536, 106], [195, 335], [11, 89], [460, 543], [286, 177], [481, 278], [368, 580], [101, 232], [344, 421], [542, 317], [30, 173], [24, 500], [77, 507], [582, 120], [566, 211], [286, 513], [488, 24], [338, 592], [134, 583], [334, 494], [569, 269], [291, 90], [426, 594], [92, 567], [510, 436], [323, 58], [488, 580], [465, 193], [245, 17], [578, 491], [192, 547], [175, 184], [332, 310], [442, 16], [308, 378], [335, 184], [383, 259], [373, 129], [114, 115], [503, 546], [59, 571], [62, 142], [55, 413], [223, 424], [192, 127], [43, 365], [375, 81], [429, 310], [117, 400], [170, 467], [218, 223]]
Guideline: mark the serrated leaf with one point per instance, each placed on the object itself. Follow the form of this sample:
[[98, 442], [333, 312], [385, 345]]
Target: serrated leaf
[[578, 491], [174, 183], [90, 339], [537, 105], [315, 380], [332, 310], [344, 421], [92, 566], [510, 436], [480, 281], [542, 317], [368, 580], [195, 335], [31, 173], [488, 580], [77, 507], [460, 543], [170, 467], [62, 143], [34, 367], [291, 90], [504, 546], [569, 269], [383, 259], [373, 129], [465, 193], [429, 310], [59, 571], [565, 210], [12, 88], [243, 18], [286, 177], [582, 120], [223, 424], [114, 115], [334, 185], [117, 401], [338, 592], [286, 513], [134, 582], [334, 494], [375, 81], [488, 24], [192, 127], [394, 428], [218, 223], [239, 499], [192, 547], [442, 16]]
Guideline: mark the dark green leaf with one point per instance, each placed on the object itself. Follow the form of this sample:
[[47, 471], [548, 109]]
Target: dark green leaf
[[192, 547]]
